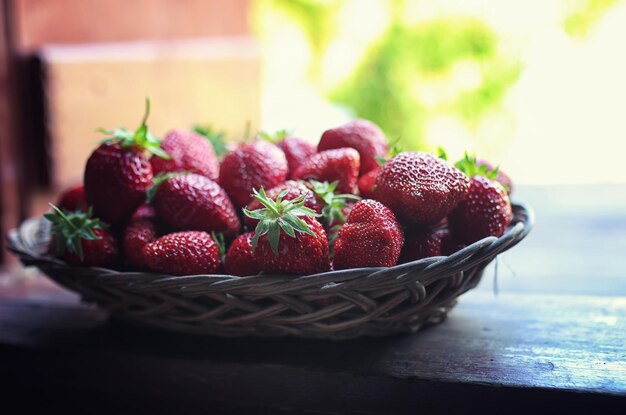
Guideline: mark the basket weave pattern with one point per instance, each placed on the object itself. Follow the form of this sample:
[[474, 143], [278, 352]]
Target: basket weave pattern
[[337, 304]]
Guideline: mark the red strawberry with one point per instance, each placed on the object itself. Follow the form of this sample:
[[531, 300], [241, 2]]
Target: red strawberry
[[367, 182], [362, 135], [340, 165], [502, 177], [194, 202], [288, 240], [485, 211], [294, 188], [188, 152], [251, 166], [144, 211], [297, 151], [138, 233], [420, 188], [240, 257], [183, 253], [118, 173], [449, 244], [421, 242], [80, 239], [472, 166], [372, 237], [73, 199]]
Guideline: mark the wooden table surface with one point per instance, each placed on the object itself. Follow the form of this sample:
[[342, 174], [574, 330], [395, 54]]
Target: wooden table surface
[[553, 338]]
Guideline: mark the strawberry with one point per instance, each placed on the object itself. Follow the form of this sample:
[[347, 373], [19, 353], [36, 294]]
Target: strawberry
[[372, 237], [145, 211], [485, 211], [335, 206], [297, 151], [294, 188], [240, 257], [216, 138], [118, 172], [188, 152], [73, 199], [80, 239], [367, 182], [183, 253], [288, 239], [472, 166], [502, 177], [193, 202], [362, 135], [421, 242], [449, 244], [420, 188], [340, 165], [253, 165], [140, 231]]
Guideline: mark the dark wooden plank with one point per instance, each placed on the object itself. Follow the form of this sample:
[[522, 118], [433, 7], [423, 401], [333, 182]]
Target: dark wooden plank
[[561, 352]]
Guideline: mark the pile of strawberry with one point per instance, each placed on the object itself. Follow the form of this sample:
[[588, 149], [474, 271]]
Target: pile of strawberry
[[281, 206]]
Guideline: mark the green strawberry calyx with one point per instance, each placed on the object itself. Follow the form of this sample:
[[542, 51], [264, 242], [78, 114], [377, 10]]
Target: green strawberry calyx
[[279, 215], [394, 150], [70, 228], [470, 166], [334, 204], [218, 237], [275, 138], [159, 179], [141, 137], [216, 138], [442, 154]]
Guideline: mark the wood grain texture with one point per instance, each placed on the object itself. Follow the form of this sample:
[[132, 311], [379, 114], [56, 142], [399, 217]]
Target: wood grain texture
[[530, 351]]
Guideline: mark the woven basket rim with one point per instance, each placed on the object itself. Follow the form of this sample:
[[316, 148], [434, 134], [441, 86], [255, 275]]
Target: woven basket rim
[[521, 226]]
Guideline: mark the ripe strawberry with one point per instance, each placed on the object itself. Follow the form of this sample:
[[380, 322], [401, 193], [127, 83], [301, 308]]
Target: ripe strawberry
[[297, 151], [420, 188], [472, 166], [367, 182], [80, 239], [240, 257], [253, 165], [145, 211], [118, 173], [502, 177], [193, 202], [372, 237], [421, 242], [485, 211], [73, 199], [183, 253], [288, 239], [340, 165], [449, 244], [188, 152], [294, 188], [140, 231], [362, 135]]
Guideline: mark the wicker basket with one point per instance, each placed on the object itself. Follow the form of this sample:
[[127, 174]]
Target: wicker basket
[[337, 305]]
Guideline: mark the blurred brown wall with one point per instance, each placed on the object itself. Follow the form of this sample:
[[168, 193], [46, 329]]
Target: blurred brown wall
[[51, 101], [42, 22]]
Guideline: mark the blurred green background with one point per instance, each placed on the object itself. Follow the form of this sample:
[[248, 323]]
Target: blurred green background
[[476, 75]]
